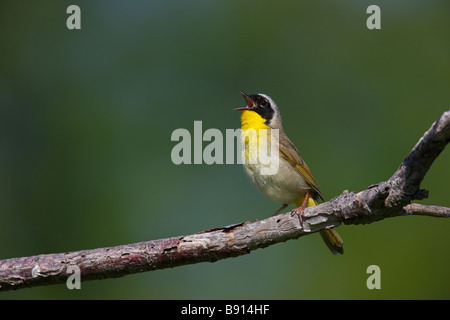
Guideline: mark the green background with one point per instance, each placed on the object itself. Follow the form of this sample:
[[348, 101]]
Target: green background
[[86, 118]]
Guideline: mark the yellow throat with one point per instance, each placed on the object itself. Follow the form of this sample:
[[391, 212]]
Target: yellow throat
[[252, 120]]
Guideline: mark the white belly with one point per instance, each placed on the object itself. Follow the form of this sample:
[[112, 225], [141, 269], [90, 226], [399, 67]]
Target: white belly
[[285, 185]]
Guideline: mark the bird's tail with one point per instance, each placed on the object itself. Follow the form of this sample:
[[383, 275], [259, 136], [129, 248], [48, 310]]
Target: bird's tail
[[331, 238], [333, 241]]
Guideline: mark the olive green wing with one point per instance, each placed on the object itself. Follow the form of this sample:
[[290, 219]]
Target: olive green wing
[[290, 153]]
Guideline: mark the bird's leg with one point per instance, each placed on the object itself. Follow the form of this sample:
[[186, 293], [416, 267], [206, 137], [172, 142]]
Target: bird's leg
[[299, 210], [278, 211]]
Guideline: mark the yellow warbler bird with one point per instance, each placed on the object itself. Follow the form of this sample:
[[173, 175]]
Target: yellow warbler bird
[[290, 181]]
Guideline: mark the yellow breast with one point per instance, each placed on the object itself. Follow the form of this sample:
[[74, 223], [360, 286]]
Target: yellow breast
[[252, 135]]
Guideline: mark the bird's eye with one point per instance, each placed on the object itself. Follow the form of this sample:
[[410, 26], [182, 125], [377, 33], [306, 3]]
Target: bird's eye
[[264, 103]]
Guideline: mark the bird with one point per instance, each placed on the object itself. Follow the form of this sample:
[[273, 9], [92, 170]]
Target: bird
[[292, 181]]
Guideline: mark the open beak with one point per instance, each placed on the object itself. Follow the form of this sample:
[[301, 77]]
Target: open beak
[[250, 103]]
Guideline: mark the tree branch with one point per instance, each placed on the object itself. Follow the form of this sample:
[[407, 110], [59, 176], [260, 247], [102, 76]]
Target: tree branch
[[422, 210], [386, 199]]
